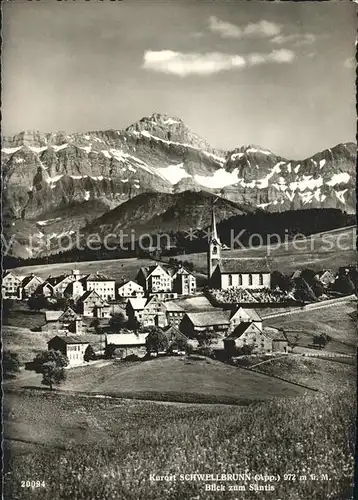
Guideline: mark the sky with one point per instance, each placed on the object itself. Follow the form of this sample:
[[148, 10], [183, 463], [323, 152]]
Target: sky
[[279, 75]]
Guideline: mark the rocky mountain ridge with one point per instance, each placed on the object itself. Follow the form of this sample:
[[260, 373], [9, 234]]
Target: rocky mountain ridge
[[74, 178]]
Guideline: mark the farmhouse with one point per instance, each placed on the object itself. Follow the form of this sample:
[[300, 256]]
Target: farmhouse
[[60, 283], [29, 285], [230, 273], [134, 309], [196, 323], [128, 343], [184, 282], [130, 289], [74, 289], [45, 289], [72, 346], [92, 305], [66, 320], [248, 334], [245, 316], [11, 286], [174, 313], [155, 279], [176, 339]]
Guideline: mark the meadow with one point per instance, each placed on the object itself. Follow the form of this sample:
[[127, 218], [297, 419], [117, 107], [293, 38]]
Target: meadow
[[84, 448], [338, 322], [171, 379]]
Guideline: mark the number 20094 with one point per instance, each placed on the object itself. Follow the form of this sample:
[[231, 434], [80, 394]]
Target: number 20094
[[33, 484]]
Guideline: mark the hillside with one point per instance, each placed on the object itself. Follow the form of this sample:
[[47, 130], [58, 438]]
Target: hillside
[[50, 176]]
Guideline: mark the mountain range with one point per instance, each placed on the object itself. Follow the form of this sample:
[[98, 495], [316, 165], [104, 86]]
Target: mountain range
[[56, 183]]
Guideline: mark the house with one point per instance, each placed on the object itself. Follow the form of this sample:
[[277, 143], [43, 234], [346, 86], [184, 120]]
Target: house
[[74, 289], [174, 313], [235, 272], [128, 343], [92, 305], [45, 289], [195, 323], [148, 312], [164, 295], [29, 285], [177, 341], [326, 277], [130, 289], [242, 315], [60, 283], [134, 310], [66, 321], [11, 286], [279, 340], [248, 334], [184, 282], [155, 278], [72, 346], [104, 286]]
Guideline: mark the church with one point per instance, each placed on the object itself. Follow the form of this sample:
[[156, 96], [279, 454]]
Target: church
[[237, 272]]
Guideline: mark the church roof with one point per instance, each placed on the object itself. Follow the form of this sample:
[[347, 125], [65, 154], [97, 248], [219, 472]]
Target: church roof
[[243, 265]]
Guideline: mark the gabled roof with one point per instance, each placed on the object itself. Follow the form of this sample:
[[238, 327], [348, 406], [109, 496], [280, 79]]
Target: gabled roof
[[56, 280], [249, 314], [171, 306], [53, 315], [11, 273], [172, 331], [27, 280], [98, 277], [274, 333], [89, 293], [243, 266], [71, 339], [137, 303], [126, 339], [242, 328], [181, 270], [148, 271], [44, 285], [209, 318], [130, 281]]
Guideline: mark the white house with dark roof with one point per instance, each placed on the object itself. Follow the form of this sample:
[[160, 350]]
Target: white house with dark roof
[[234, 272], [72, 346], [155, 278], [242, 315], [184, 282], [11, 285], [103, 285], [130, 289]]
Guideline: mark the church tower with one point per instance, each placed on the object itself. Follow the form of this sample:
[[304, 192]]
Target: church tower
[[214, 250]]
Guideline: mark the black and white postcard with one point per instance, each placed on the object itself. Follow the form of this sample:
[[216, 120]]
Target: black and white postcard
[[179, 264]]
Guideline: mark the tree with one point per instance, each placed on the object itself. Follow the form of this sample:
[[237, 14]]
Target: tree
[[117, 321], [96, 325], [10, 363], [205, 338], [109, 351], [321, 340], [37, 302], [156, 341], [281, 281], [51, 364], [89, 354]]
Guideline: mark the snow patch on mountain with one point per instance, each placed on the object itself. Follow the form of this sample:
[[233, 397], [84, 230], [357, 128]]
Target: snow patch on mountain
[[10, 151], [174, 173], [219, 179], [341, 178]]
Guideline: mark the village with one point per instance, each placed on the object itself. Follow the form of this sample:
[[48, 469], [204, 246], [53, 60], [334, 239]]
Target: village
[[163, 311]]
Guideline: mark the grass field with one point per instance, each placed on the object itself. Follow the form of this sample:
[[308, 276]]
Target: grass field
[[88, 448], [27, 344], [333, 321], [324, 375], [172, 379]]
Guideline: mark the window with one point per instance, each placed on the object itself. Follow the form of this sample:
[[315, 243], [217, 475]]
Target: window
[[261, 279], [215, 250], [240, 279], [250, 279], [230, 279]]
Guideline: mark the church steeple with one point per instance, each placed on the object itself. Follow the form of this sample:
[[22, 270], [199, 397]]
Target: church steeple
[[214, 250]]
